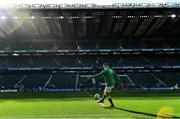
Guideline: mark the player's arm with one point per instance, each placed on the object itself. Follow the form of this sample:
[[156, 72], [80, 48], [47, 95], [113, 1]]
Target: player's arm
[[99, 74], [96, 75]]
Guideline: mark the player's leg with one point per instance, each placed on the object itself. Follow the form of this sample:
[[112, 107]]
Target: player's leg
[[104, 96], [110, 99], [108, 94]]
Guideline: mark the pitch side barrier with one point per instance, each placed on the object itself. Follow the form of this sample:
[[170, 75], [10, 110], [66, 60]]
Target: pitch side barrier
[[157, 51], [85, 70]]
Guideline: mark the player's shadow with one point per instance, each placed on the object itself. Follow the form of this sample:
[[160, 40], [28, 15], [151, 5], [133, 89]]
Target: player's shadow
[[148, 114]]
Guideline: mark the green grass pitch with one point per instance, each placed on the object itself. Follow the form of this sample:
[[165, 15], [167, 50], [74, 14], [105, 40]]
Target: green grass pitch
[[81, 105]]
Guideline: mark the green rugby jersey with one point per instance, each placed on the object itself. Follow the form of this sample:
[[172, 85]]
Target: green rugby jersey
[[109, 75]]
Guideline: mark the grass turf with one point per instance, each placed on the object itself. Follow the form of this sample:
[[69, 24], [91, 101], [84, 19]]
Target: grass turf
[[80, 105]]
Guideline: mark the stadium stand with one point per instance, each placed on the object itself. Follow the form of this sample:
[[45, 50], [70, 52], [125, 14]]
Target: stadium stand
[[96, 30], [63, 81], [34, 81]]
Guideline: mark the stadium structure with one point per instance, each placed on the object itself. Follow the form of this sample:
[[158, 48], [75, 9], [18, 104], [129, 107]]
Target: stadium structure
[[52, 47], [45, 45]]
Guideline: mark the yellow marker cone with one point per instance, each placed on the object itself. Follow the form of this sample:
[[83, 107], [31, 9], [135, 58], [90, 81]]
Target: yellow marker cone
[[165, 112]]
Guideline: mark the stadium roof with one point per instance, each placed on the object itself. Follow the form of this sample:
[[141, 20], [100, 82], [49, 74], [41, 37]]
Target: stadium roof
[[99, 2], [89, 24]]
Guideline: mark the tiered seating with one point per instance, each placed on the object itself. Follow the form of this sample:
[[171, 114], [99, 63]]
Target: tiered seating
[[66, 61], [88, 45], [21, 45], [4, 62], [169, 78], [18, 62], [3, 45], [132, 61], [158, 60], [111, 60], [175, 60], [63, 80], [50, 44], [40, 61], [8, 81], [42, 46], [68, 80], [143, 80], [80, 61], [107, 45], [87, 61], [154, 44], [66, 45], [130, 44], [35, 80]]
